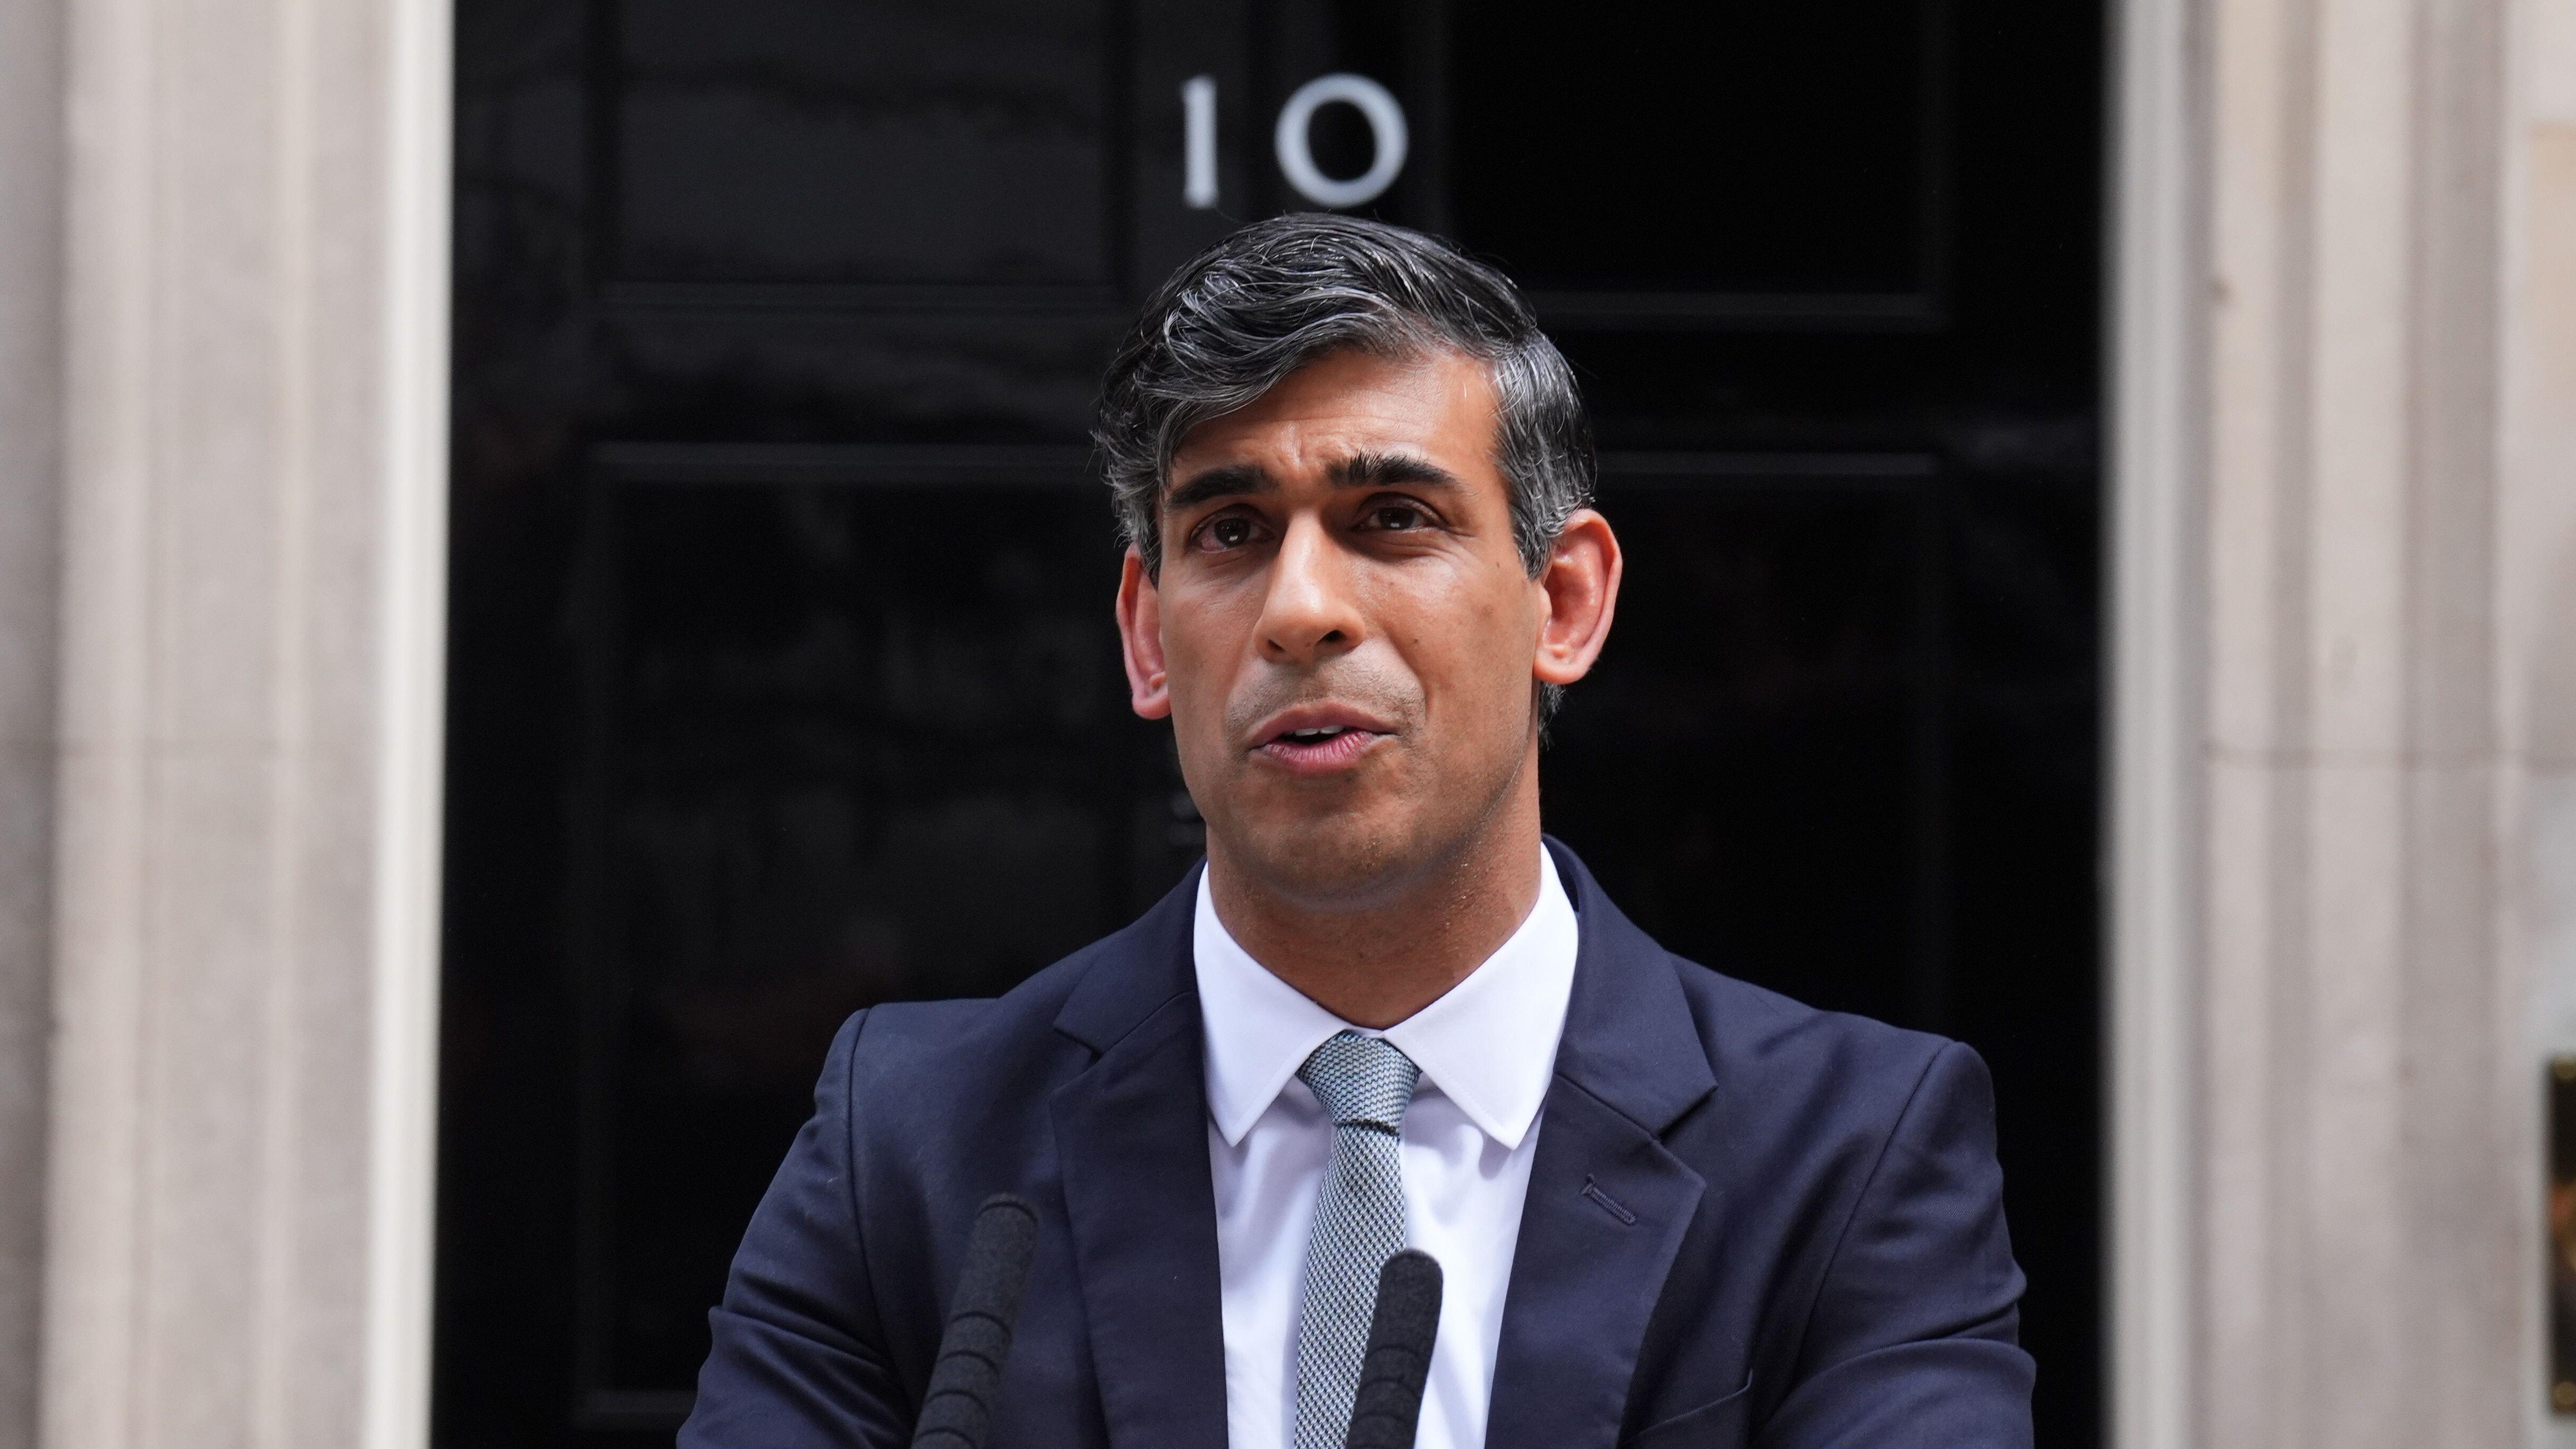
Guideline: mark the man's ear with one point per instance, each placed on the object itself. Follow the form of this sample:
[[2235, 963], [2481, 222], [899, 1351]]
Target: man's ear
[[1140, 639], [1582, 586]]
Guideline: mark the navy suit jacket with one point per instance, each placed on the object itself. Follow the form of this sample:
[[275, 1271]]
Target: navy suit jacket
[[1748, 1222]]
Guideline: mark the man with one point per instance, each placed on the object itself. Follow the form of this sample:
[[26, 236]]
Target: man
[[1672, 1209]]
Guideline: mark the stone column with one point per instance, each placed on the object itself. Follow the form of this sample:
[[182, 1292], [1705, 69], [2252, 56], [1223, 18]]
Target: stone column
[[31, 225], [2536, 580], [2344, 554], [252, 574]]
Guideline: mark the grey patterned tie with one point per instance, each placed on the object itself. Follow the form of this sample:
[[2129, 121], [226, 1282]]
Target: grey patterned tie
[[1365, 1084]]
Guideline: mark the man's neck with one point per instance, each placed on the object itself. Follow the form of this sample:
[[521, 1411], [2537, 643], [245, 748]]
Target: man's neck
[[1377, 965]]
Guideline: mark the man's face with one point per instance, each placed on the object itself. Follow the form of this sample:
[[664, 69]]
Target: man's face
[[1343, 632]]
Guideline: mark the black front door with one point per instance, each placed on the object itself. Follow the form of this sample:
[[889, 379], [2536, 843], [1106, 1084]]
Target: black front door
[[784, 679]]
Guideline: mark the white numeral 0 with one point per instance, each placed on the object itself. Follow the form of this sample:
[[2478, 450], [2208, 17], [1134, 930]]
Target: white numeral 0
[[1297, 158], [1374, 102]]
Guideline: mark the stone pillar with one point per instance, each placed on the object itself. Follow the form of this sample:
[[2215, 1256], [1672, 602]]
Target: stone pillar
[[252, 575], [2344, 560], [2536, 576], [31, 226]]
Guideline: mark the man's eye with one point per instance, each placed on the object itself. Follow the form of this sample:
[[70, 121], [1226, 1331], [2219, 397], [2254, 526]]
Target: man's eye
[[1226, 533], [1396, 517]]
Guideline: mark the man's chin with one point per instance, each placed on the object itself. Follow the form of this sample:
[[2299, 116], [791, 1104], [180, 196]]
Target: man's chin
[[1342, 862]]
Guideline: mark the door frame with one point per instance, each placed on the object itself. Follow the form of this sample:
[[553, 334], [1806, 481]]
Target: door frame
[[402, 1166], [2153, 404]]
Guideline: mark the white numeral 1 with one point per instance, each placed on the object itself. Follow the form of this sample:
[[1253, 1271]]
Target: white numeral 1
[[1198, 110]]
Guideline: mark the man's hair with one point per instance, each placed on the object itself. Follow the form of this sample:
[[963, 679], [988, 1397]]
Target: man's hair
[[1238, 318]]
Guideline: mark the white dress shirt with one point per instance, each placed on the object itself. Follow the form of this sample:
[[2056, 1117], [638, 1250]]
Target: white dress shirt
[[1487, 1051]]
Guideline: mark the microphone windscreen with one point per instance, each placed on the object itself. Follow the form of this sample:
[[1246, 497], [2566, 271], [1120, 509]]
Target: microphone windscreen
[[959, 1402], [1389, 1404]]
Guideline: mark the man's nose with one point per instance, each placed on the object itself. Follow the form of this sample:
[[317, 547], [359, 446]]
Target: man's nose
[[1309, 614]]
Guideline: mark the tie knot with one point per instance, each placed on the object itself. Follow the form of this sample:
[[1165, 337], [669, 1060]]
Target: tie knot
[[1362, 1080]]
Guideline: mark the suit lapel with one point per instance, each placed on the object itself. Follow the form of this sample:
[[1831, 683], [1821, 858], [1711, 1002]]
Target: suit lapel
[[1607, 1204], [1131, 1133]]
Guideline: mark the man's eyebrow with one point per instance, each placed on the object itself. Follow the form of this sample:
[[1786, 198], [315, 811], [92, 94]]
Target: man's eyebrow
[[1360, 470], [1235, 480], [1379, 470]]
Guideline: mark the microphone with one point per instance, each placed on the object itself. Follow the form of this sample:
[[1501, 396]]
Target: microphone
[[1389, 1403], [960, 1401]]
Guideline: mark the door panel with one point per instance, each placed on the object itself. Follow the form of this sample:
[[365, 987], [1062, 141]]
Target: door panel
[[880, 145], [806, 755], [1727, 160], [1775, 684], [784, 676]]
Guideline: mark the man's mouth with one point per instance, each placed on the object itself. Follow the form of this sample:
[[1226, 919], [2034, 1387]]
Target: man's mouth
[[1312, 748]]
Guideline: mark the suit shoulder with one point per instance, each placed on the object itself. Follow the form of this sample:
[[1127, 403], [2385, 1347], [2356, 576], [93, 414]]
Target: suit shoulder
[[901, 1036], [1809, 1104], [1757, 1036], [910, 1059]]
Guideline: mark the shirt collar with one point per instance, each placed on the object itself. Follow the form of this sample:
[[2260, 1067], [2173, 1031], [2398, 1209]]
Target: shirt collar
[[1489, 1045]]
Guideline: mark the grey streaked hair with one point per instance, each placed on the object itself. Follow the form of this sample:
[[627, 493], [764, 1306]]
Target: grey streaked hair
[[1241, 316]]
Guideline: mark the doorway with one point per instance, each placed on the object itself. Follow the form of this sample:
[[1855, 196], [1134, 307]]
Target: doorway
[[783, 677]]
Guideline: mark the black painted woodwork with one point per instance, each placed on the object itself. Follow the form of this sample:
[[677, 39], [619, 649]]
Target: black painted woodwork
[[783, 673]]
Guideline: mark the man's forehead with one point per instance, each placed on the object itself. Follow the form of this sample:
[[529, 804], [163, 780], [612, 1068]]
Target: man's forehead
[[1337, 413]]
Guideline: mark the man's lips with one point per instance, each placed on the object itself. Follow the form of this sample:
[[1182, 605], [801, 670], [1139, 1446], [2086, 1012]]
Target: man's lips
[[1318, 738], [1317, 752]]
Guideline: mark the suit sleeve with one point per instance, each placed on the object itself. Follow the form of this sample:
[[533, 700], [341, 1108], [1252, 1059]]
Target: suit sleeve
[[1913, 1342], [796, 1361]]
